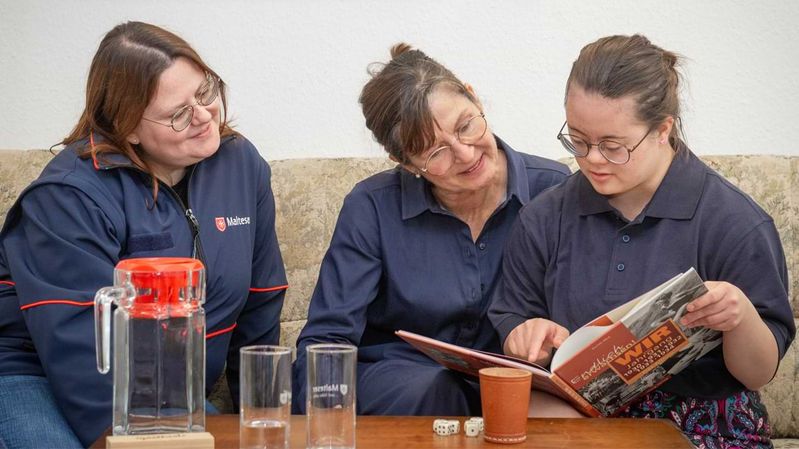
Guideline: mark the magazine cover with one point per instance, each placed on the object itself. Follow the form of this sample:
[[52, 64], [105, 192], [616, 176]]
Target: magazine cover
[[611, 361]]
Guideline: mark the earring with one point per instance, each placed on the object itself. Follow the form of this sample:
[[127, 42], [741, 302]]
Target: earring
[[134, 141], [418, 175]]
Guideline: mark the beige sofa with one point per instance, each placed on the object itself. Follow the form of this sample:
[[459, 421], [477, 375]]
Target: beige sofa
[[309, 192]]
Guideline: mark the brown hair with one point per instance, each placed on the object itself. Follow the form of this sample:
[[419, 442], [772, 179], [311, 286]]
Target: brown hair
[[395, 102], [123, 78], [617, 66]]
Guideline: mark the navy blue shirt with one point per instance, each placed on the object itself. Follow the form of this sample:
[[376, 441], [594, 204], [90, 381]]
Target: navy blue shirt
[[398, 260], [572, 257]]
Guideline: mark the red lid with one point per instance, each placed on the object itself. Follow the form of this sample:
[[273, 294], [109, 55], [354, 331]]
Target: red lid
[[162, 264], [163, 276]]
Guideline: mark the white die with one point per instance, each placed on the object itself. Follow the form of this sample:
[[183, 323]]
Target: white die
[[441, 427], [479, 422], [471, 428], [454, 426]]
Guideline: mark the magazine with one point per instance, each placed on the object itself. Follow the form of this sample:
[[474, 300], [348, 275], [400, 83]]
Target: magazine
[[608, 363]]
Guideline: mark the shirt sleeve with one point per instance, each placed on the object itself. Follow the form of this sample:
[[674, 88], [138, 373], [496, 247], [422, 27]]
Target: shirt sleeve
[[755, 263], [348, 282], [62, 249], [520, 294], [259, 321]]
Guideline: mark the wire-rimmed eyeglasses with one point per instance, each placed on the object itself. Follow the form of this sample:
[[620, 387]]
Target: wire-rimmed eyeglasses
[[613, 151], [205, 96], [442, 158]]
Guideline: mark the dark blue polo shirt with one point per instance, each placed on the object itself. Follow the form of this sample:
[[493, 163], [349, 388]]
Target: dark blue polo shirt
[[572, 257], [398, 260]]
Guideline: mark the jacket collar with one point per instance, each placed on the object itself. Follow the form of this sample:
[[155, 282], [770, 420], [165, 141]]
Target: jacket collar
[[102, 161], [107, 161]]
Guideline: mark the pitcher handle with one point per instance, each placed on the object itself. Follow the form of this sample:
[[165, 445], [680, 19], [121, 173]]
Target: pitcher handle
[[102, 324]]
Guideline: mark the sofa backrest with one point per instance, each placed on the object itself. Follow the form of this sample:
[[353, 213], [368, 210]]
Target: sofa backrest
[[309, 193], [308, 197]]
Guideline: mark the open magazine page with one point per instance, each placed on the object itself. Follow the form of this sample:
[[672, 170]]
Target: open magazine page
[[666, 347], [471, 361], [616, 364], [608, 363], [588, 371], [647, 298]]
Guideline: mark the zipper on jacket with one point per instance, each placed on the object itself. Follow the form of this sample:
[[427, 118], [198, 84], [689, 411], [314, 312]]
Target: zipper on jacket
[[197, 246], [197, 251], [194, 225]]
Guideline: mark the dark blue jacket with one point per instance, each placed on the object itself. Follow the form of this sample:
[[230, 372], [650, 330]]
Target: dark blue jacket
[[71, 226]]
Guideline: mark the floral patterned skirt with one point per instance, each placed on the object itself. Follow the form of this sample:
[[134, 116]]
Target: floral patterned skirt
[[739, 421]]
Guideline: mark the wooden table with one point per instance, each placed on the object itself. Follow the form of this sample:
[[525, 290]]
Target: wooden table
[[401, 432]]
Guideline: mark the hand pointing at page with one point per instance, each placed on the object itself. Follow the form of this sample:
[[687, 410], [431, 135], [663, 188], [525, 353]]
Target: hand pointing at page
[[534, 340]]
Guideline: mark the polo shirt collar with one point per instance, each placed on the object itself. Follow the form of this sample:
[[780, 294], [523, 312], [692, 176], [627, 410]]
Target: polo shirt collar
[[679, 194], [518, 186], [677, 197], [417, 194], [589, 202]]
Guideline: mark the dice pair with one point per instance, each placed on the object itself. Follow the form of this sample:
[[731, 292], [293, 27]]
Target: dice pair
[[446, 427], [471, 427]]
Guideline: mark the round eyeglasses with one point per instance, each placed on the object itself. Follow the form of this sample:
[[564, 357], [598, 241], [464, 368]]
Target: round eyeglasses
[[614, 152], [204, 96], [442, 158]]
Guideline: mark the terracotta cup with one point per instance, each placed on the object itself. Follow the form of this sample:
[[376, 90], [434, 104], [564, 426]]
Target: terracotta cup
[[505, 395]]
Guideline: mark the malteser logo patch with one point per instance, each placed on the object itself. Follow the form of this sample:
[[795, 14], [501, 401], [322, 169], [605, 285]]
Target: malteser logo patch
[[222, 223]]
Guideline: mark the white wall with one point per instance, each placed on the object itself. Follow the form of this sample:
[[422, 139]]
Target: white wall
[[295, 68]]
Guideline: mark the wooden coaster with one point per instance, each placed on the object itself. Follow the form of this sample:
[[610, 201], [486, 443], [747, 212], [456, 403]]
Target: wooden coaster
[[190, 440]]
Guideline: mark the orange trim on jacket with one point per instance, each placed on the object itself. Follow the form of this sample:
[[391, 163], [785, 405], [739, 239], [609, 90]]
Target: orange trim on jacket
[[93, 152], [56, 301], [221, 331], [269, 289]]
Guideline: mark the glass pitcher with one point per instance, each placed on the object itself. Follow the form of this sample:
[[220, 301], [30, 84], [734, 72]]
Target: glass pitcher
[[159, 344]]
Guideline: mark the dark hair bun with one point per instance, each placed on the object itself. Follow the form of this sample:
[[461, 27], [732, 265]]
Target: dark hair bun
[[400, 48]]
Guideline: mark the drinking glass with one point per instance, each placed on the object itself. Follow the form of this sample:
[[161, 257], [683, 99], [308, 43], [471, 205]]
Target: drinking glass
[[331, 396], [265, 397]]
